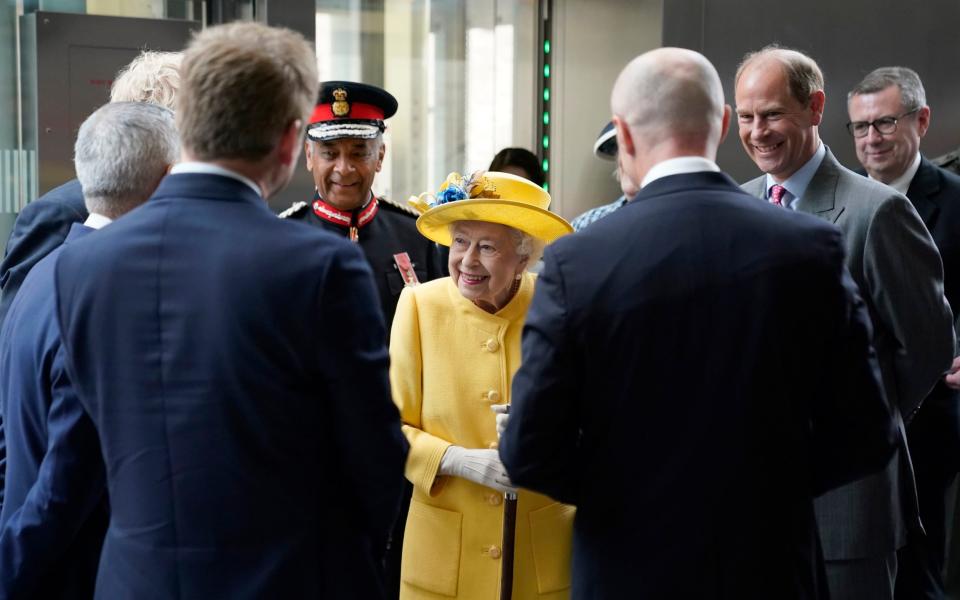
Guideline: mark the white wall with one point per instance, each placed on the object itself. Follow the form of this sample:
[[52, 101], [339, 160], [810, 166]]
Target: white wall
[[592, 41]]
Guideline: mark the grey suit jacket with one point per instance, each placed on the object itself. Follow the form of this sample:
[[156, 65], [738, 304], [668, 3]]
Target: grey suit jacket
[[894, 261]]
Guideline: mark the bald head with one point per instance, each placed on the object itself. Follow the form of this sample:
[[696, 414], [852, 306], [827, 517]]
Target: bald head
[[670, 93]]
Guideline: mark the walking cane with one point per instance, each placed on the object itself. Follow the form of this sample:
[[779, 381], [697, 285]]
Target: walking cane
[[509, 535]]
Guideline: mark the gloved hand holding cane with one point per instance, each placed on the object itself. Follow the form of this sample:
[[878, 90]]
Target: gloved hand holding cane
[[479, 466]]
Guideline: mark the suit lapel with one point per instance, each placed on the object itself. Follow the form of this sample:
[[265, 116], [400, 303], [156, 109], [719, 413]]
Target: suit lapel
[[922, 191], [820, 196], [754, 187]]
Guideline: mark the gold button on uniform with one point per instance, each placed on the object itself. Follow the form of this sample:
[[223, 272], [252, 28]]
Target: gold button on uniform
[[493, 396], [494, 552], [491, 345]]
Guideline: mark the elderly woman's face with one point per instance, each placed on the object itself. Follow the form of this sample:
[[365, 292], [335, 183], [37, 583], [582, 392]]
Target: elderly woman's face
[[484, 262]]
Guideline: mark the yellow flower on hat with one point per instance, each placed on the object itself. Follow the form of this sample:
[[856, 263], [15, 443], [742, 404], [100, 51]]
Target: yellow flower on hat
[[492, 197]]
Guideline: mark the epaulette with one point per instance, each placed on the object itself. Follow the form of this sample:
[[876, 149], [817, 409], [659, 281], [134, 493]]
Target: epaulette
[[949, 161], [390, 204], [294, 209]]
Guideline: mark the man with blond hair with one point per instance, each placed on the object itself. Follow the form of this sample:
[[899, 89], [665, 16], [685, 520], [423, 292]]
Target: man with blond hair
[[661, 393], [233, 363], [50, 536], [780, 104], [43, 224]]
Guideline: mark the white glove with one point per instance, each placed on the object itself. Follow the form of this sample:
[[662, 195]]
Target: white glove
[[502, 417], [479, 466]]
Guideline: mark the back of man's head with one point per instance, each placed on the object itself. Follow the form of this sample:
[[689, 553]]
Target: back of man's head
[[122, 152], [242, 86], [674, 96], [152, 77]]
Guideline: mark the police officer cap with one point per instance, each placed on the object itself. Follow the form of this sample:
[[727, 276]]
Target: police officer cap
[[349, 109], [606, 145]]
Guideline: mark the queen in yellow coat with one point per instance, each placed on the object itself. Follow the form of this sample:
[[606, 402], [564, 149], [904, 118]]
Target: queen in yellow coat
[[455, 345]]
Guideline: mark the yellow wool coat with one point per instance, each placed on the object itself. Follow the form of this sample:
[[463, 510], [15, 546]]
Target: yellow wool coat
[[450, 361]]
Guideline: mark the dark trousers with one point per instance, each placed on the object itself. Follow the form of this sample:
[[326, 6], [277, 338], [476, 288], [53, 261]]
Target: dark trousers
[[934, 440], [869, 578]]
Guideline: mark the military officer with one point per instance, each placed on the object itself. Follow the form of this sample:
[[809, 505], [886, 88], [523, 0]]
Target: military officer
[[344, 151]]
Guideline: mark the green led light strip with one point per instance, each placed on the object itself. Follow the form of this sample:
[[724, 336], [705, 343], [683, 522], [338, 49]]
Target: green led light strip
[[545, 95]]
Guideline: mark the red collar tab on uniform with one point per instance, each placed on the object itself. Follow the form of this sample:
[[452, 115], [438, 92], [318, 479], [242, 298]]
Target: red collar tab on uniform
[[357, 110], [345, 218]]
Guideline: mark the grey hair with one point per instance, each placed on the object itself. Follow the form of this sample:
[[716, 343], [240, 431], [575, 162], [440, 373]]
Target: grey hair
[[912, 95], [122, 151], [528, 246]]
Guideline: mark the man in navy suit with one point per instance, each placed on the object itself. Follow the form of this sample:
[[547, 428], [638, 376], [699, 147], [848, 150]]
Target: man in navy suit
[[233, 363], [55, 510], [666, 384], [43, 224], [888, 117]]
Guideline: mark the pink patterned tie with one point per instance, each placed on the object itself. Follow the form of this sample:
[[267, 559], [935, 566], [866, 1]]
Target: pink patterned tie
[[776, 194]]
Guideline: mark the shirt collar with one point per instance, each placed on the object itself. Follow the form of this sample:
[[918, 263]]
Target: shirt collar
[[902, 183], [797, 183], [678, 166], [95, 221], [212, 169]]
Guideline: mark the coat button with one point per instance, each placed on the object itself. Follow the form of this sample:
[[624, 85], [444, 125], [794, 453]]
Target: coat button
[[494, 552], [491, 345], [493, 396], [495, 499]]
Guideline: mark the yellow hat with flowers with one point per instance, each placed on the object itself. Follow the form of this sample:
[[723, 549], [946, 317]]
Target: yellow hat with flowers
[[492, 197]]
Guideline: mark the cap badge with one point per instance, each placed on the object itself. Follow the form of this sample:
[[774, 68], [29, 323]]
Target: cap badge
[[341, 107]]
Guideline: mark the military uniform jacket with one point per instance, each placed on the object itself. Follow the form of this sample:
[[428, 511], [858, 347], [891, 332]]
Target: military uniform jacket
[[391, 229]]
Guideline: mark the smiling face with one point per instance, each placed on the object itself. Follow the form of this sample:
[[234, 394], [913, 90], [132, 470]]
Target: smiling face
[[484, 262], [777, 131], [343, 169], [887, 156]]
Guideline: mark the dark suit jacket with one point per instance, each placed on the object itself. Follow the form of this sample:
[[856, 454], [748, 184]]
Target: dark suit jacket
[[40, 227], [235, 368], [55, 511], [893, 260], [935, 193], [666, 390]]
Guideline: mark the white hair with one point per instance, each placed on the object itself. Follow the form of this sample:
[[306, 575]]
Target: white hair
[[528, 246], [122, 151], [152, 77]]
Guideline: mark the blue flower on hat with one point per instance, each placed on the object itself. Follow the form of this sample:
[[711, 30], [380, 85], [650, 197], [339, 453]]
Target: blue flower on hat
[[456, 187], [451, 193]]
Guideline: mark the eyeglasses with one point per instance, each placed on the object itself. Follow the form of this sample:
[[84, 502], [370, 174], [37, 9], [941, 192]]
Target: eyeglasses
[[883, 125]]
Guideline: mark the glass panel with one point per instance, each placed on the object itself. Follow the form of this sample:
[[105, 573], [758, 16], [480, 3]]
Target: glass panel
[[18, 159], [462, 72]]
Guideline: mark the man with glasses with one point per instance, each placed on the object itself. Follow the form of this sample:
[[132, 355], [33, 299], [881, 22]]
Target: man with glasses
[[780, 102], [888, 117]]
